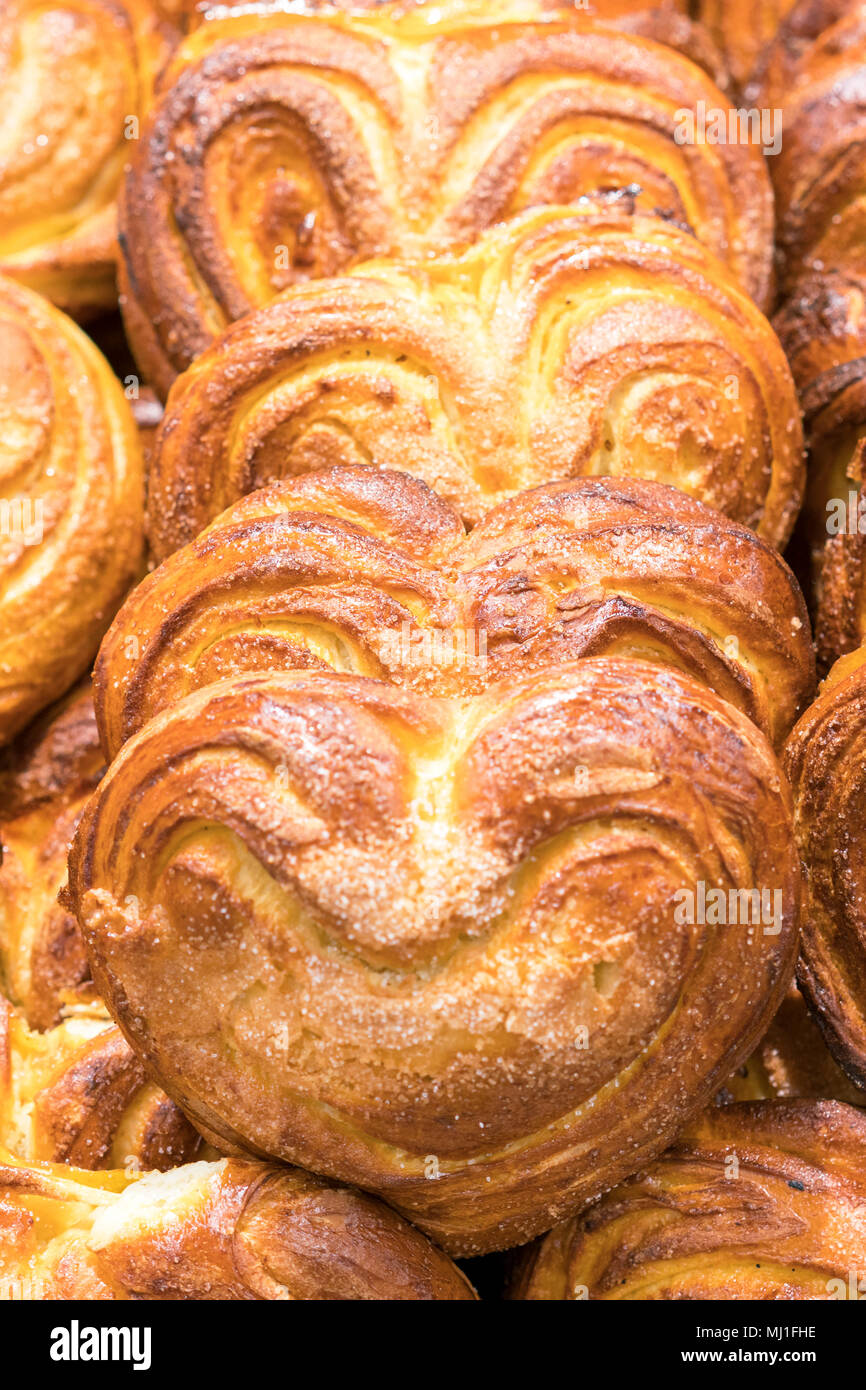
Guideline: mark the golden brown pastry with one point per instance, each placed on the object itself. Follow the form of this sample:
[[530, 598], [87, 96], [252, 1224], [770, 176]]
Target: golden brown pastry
[[78, 1094], [759, 1201], [465, 954], [285, 146], [791, 1061], [45, 780], [819, 172], [743, 29], [824, 758], [369, 572], [781, 64], [822, 327], [224, 1230], [665, 21], [818, 63], [77, 77], [71, 504], [568, 342]]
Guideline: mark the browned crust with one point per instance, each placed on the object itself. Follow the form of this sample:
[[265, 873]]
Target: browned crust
[[79, 1095], [822, 327], [321, 571], [568, 342], [783, 60], [390, 982], [791, 1062], [304, 132], [817, 174], [232, 1230], [74, 73], [754, 1201], [825, 761], [71, 534], [45, 779], [742, 29]]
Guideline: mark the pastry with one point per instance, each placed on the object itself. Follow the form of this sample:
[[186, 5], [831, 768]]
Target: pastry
[[482, 958], [71, 533], [824, 758], [757, 1202], [223, 1230], [568, 342], [369, 572], [77, 78], [283, 147]]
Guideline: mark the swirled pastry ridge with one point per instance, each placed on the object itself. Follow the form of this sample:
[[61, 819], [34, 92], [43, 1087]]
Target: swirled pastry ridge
[[754, 1201], [369, 572], [227, 1230], [78, 1094], [825, 759], [71, 503], [77, 78], [45, 779]]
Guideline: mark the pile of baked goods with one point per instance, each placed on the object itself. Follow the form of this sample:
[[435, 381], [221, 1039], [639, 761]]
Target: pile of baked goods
[[424, 833]]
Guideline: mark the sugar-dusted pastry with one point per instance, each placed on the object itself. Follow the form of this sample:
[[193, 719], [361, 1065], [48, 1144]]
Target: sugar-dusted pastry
[[284, 146], [77, 78], [824, 758], [368, 571], [755, 1201], [569, 342], [221, 1230], [45, 779], [481, 957], [71, 533]]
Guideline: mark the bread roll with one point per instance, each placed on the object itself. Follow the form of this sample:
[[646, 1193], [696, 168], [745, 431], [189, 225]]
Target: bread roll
[[78, 1094], [207, 1231], [45, 780], [818, 173], [825, 762], [77, 78]]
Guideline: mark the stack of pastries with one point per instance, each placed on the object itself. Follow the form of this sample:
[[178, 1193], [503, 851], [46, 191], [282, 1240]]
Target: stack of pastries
[[423, 831]]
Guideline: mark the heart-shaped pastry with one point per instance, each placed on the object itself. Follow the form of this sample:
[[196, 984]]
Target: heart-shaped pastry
[[371, 573], [285, 146], [481, 956], [567, 342]]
